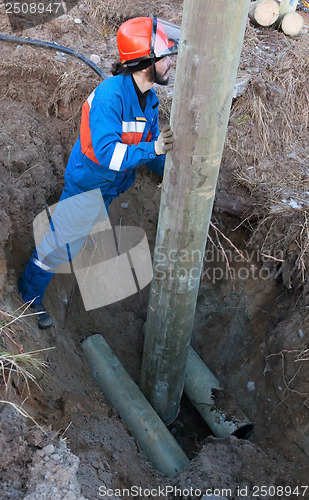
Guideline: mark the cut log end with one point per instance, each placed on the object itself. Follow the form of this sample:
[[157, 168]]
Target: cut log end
[[291, 23], [264, 12]]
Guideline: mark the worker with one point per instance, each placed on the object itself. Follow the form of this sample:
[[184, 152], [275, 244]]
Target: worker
[[119, 132]]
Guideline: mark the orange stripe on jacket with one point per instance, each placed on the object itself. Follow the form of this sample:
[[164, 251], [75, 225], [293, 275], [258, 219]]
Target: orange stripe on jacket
[[85, 134], [134, 137], [131, 138]]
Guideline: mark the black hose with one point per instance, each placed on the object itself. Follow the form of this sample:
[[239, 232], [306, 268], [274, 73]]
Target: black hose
[[55, 46]]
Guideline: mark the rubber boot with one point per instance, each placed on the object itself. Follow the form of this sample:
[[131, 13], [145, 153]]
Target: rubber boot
[[33, 283], [32, 286], [44, 319]]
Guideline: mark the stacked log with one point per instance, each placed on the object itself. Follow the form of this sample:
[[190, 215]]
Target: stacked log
[[291, 23], [283, 16], [263, 12]]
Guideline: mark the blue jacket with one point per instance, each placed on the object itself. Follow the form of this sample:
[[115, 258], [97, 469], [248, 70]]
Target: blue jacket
[[115, 138]]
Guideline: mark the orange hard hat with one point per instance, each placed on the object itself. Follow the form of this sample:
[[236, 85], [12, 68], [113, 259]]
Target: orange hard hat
[[143, 38]]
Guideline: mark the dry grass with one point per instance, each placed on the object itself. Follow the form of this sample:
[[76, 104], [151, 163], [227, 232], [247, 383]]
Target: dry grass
[[112, 13], [287, 236], [17, 366], [20, 366], [70, 88], [274, 114], [57, 81], [268, 139], [65, 87]]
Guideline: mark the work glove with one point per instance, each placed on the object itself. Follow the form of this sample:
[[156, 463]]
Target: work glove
[[165, 141]]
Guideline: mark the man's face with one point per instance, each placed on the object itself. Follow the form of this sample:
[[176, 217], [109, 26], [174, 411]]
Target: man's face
[[162, 70]]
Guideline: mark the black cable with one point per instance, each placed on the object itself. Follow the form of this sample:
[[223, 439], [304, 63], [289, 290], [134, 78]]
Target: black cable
[[54, 46]]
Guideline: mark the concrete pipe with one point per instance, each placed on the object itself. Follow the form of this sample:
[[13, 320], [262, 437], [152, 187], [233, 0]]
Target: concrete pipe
[[218, 409], [123, 394]]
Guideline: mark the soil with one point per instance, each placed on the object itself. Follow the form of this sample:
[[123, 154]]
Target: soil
[[251, 326]]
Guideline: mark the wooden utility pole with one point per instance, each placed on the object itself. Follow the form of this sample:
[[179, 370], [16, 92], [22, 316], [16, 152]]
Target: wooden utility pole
[[209, 51]]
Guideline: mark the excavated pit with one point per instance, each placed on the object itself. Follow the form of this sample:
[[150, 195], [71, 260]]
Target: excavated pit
[[235, 328]]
